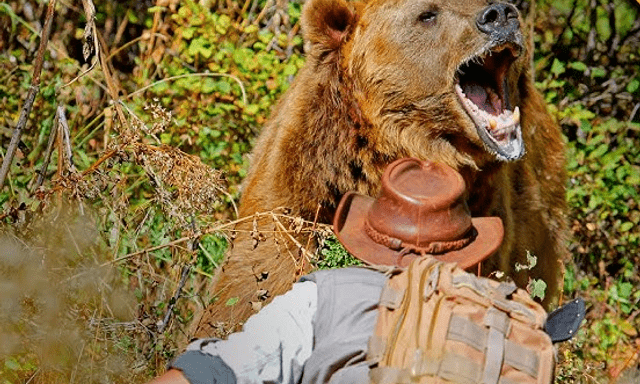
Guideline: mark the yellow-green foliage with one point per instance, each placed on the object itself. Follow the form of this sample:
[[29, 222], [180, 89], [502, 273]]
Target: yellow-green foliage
[[196, 82]]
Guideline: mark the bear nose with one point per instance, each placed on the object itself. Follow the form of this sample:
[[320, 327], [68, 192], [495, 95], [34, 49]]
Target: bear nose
[[498, 19]]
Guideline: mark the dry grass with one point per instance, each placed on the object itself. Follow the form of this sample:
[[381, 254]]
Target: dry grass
[[90, 292], [75, 308], [96, 286]]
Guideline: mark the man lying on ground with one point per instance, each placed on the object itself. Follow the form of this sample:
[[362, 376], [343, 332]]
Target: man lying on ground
[[321, 331]]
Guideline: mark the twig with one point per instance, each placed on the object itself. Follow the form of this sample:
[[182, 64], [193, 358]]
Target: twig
[[89, 29], [129, 43], [83, 74], [614, 37], [183, 279], [11, 190], [566, 25], [90, 43], [65, 137], [101, 160], [171, 243], [152, 40], [206, 231], [243, 10], [31, 95], [99, 45], [633, 113], [233, 203], [208, 255], [313, 229], [33, 376], [634, 30], [591, 37], [308, 255], [120, 31], [244, 93], [248, 20], [47, 155]]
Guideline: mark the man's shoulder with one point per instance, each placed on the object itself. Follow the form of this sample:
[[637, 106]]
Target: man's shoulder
[[348, 275]]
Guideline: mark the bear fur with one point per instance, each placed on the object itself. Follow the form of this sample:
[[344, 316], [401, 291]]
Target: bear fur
[[381, 82]]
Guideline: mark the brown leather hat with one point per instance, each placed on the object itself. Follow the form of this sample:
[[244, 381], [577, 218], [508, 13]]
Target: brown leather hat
[[420, 210]]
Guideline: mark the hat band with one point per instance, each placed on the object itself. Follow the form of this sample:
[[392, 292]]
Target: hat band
[[435, 247]]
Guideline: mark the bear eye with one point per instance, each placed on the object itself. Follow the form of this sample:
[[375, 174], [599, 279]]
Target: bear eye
[[428, 17]]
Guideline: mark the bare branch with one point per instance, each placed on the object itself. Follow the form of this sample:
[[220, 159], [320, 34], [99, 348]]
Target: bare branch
[[33, 90], [65, 137], [167, 316], [47, 155]]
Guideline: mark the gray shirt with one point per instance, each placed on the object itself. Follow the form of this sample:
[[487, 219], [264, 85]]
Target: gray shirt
[[315, 333]]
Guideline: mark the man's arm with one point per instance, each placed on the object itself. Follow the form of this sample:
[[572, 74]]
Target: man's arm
[[273, 346], [172, 376]]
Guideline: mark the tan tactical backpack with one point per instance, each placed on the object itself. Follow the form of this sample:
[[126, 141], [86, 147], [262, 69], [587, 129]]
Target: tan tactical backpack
[[440, 324]]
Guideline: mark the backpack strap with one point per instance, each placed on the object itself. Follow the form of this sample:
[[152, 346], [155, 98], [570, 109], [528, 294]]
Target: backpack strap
[[391, 297], [450, 367], [499, 295], [486, 316], [498, 323]]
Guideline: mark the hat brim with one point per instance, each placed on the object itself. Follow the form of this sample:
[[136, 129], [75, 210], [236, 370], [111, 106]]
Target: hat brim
[[348, 225]]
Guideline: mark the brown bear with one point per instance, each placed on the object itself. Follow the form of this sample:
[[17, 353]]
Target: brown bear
[[444, 80]]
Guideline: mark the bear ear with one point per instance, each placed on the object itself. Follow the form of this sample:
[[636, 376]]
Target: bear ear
[[326, 23]]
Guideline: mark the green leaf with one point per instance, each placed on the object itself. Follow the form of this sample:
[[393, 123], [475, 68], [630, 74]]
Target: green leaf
[[208, 85], [223, 86], [224, 22], [12, 364], [232, 301], [556, 83], [633, 85], [538, 288], [625, 227], [252, 28], [290, 69], [598, 152], [633, 178], [594, 201], [598, 72], [188, 33], [161, 87], [157, 8], [625, 289], [557, 68], [578, 66], [252, 109], [200, 46]]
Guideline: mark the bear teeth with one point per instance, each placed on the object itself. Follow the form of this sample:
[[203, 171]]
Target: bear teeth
[[499, 126], [500, 133]]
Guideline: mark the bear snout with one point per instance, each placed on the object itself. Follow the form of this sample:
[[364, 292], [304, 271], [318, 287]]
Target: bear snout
[[500, 22]]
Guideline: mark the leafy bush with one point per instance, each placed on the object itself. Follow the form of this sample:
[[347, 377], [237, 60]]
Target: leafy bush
[[200, 78], [333, 255], [587, 66], [220, 75]]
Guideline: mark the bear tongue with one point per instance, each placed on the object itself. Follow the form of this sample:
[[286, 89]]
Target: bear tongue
[[484, 97]]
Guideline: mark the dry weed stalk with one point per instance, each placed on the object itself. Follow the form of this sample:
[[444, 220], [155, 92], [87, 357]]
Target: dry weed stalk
[[81, 223], [33, 90]]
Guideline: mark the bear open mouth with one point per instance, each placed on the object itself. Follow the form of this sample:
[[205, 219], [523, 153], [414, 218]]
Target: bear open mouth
[[483, 92]]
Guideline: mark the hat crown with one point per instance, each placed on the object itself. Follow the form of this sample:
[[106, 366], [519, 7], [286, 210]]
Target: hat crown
[[420, 210], [420, 203]]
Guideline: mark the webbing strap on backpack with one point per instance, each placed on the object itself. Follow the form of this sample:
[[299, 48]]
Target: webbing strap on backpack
[[439, 324], [498, 324]]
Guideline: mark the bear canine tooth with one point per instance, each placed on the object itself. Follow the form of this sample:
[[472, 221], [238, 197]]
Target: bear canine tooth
[[493, 124], [516, 115]]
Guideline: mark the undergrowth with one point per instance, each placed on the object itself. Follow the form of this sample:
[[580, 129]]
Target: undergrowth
[[105, 260]]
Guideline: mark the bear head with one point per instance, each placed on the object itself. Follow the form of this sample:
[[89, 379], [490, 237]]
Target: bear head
[[426, 78]]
